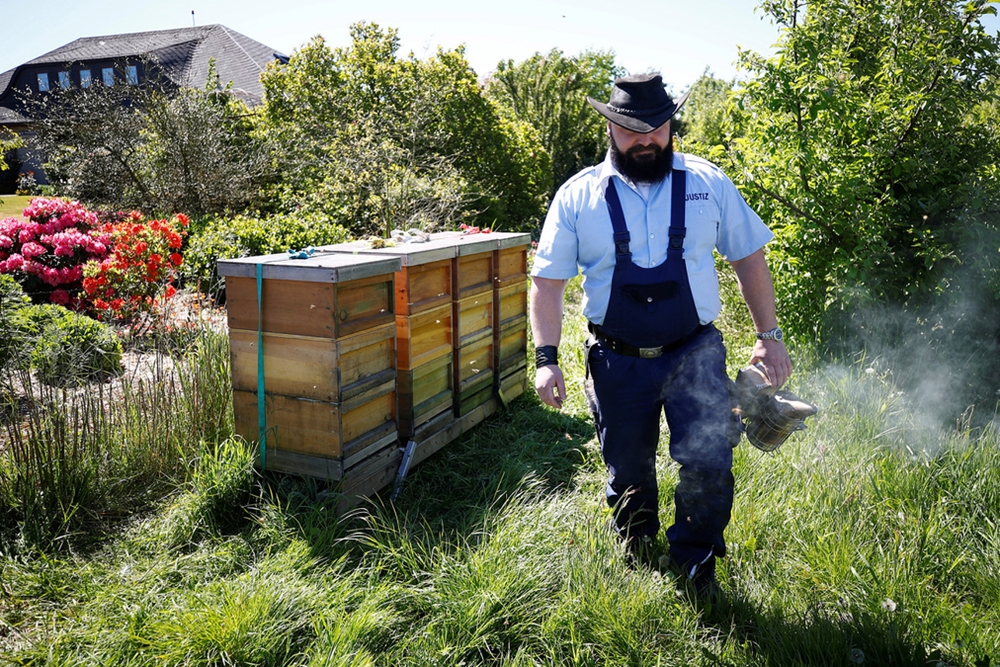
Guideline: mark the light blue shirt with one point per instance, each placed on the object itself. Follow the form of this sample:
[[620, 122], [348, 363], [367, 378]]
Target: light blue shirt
[[577, 234]]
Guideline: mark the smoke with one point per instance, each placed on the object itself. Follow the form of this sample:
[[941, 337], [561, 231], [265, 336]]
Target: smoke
[[942, 349]]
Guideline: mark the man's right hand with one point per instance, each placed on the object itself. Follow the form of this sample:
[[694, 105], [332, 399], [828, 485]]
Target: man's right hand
[[550, 385]]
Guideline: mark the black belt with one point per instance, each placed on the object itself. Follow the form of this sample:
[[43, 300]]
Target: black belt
[[621, 347]]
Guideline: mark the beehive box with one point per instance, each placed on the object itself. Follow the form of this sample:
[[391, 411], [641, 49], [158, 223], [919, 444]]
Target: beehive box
[[425, 336], [511, 307], [454, 269], [475, 361], [322, 332]]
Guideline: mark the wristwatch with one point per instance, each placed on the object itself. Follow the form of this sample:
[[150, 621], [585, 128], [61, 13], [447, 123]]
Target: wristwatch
[[773, 334]]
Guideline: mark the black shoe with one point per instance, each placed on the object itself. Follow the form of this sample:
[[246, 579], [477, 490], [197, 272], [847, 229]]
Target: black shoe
[[698, 580]]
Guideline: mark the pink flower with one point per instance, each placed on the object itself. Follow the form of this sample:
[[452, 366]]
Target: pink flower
[[50, 276], [12, 263], [59, 296], [32, 250]]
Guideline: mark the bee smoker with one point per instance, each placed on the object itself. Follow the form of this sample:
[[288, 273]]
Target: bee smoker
[[769, 416]]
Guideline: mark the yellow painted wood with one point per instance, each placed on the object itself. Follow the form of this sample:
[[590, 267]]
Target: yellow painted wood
[[474, 273], [323, 369], [511, 264], [423, 336], [318, 428], [513, 301], [474, 313]]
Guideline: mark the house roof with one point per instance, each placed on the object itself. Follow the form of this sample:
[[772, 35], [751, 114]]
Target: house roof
[[182, 53]]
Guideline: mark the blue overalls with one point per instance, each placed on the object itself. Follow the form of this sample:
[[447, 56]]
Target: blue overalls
[[652, 354]]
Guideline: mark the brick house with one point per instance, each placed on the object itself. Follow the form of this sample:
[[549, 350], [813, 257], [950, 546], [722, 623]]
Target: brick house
[[180, 56]]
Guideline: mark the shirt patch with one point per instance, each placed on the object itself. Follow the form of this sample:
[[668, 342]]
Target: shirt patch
[[696, 196]]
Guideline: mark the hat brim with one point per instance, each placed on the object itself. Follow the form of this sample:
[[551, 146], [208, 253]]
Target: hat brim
[[641, 124]]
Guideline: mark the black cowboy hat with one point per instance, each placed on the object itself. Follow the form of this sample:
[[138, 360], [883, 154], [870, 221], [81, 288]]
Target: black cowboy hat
[[639, 103]]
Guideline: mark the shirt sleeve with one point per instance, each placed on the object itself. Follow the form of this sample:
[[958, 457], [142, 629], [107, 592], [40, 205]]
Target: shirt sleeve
[[558, 247], [741, 231]]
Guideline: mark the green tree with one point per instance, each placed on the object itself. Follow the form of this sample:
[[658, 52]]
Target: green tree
[[377, 141], [150, 147], [550, 91], [857, 142], [869, 142], [8, 142], [703, 120]]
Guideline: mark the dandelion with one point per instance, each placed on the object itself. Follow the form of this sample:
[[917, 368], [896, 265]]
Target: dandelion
[[857, 656], [889, 605]]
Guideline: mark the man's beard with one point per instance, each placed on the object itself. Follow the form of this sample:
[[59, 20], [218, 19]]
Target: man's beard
[[643, 164]]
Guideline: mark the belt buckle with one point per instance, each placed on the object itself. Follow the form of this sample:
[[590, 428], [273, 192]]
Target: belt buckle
[[650, 352]]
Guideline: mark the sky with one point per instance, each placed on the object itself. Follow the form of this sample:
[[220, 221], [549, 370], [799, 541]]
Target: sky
[[680, 38]]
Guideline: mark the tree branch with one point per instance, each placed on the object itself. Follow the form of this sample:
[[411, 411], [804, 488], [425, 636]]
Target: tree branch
[[799, 212]]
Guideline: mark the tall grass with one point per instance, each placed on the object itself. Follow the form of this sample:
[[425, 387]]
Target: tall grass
[[870, 539], [75, 460]]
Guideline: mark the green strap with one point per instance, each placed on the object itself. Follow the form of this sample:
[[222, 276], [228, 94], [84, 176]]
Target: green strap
[[261, 420]]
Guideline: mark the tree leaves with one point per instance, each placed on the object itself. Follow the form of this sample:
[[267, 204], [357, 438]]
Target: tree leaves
[[857, 136]]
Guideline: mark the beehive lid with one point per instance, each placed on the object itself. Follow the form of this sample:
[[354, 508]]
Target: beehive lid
[[324, 266], [511, 239], [442, 245]]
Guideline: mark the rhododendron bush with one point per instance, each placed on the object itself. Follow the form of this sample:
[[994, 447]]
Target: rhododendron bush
[[140, 269], [115, 269], [47, 252]]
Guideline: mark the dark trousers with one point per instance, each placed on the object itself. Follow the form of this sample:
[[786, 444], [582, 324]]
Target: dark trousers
[[690, 386]]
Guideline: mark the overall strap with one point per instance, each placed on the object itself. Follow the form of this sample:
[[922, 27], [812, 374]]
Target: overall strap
[[677, 231], [622, 237]]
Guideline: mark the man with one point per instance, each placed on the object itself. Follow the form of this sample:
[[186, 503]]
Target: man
[[641, 227]]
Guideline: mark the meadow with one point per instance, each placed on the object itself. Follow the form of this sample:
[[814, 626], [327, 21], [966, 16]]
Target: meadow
[[871, 539], [12, 205]]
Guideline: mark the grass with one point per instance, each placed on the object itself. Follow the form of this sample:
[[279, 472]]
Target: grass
[[870, 539], [11, 206]]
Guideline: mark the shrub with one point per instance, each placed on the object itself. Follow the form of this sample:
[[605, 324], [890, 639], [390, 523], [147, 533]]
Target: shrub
[[67, 348], [12, 298], [46, 253], [243, 236], [12, 295], [143, 262]]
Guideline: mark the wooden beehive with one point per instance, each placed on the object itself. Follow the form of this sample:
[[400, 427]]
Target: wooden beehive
[[475, 361], [322, 330], [425, 326], [511, 319]]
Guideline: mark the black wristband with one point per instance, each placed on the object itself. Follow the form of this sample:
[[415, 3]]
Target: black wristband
[[546, 355]]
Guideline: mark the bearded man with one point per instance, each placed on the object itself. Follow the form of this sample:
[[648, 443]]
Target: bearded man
[[641, 227]]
